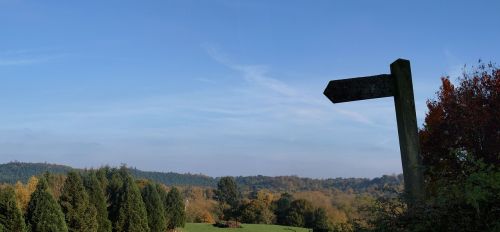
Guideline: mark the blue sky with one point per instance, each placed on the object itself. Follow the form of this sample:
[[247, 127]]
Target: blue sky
[[223, 87]]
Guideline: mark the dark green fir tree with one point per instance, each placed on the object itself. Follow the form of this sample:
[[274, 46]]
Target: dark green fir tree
[[174, 206], [163, 197], [98, 200], [131, 215], [80, 215], [44, 213], [11, 217], [154, 208], [115, 192]]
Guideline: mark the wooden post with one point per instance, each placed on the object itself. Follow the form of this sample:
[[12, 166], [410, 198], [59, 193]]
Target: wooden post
[[399, 85], [407, 129]]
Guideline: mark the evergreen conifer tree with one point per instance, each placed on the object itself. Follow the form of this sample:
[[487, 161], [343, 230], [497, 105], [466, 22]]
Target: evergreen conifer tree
[[163, 194], [44, 213], [80, 215], [102, 175], [163, 197], [129, 211], [11, 218], [115, 192], [154, 208], [174, 205], [98, 200]]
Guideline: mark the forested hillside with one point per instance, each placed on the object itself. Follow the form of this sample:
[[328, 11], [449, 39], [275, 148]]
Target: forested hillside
[[294, 183], [18, 171], [108, 198]]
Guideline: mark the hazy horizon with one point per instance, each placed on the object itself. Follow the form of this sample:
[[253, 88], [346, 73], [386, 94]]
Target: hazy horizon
[[223, 87], [195, 173]]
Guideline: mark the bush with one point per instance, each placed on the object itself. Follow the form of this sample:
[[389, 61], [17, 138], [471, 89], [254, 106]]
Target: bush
[[469, 205], [227, 224]]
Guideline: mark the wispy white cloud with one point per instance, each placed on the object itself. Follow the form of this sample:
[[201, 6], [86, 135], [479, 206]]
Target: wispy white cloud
[[297, 102], [27, 56], [263, 102], [255, 74], [258, 75], [355, 116], [259, 116]]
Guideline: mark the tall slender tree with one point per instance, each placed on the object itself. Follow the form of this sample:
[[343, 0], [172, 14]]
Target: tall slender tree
[[98, 200], [163, 197], [44, 213], [80, 215], [174, 206], [115, 194], [11, 217], [154, 208], [102, 175], [127, 211]]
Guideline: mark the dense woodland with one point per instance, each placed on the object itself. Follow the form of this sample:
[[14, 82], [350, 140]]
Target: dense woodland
[[107, 199], [18, 171], [460, 143], [259, 199], [110, 199]]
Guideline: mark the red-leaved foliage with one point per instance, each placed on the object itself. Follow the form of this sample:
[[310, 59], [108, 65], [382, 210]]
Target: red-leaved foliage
[[463, 123]]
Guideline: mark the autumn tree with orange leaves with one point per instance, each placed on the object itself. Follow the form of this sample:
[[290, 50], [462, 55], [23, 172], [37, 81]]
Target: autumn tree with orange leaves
[[463, 124], [460, 146]]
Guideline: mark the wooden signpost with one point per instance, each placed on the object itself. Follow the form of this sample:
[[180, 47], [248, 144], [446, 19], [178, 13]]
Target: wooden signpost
[[399, 85]]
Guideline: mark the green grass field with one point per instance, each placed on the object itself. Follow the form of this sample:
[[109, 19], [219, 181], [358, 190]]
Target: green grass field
[[200, 227]]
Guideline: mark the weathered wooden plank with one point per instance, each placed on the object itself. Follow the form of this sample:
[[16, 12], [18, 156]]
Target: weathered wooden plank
[[397, 84], [407, 129], [360, 88]]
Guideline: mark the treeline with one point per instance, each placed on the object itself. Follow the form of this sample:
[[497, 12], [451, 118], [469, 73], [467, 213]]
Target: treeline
[[112, 198], [257, 203], [294, 183], [176, 179], [20, 171], [103, 200], [262, 208], [17, 171]]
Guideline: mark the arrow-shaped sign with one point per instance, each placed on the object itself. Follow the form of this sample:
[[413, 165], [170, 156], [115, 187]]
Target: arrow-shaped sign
[[360, 88], [399, 85]]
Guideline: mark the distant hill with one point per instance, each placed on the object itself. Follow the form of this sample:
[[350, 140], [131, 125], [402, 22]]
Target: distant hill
[[19, 171], [14, 171], [172, 178]]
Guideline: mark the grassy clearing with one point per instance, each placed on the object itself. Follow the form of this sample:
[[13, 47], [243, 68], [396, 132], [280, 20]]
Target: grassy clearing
[[200, 227]]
